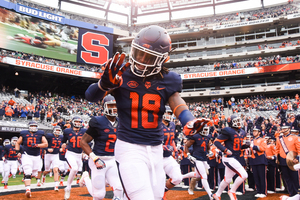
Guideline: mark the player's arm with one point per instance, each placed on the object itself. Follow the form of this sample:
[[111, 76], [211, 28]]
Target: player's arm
[[87, 137], [44, 143], [188, 121], [111, 78], [222, 138], [186, 152], [17, 146], [84, 143]]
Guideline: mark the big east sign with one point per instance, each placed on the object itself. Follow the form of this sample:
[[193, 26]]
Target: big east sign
[[94, 48]]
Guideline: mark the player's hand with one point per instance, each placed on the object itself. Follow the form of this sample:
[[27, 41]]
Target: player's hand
[[4, 159], [33, 145], [100, 164], [228, 152], [195, 126], [191, 158], [168, 148], [114, 68], [63, 146]]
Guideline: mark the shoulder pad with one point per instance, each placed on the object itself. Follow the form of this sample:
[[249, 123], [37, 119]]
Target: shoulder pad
[[94, 121], [226, 131]]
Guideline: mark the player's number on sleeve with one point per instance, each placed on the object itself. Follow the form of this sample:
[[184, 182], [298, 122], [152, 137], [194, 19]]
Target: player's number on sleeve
[[236, 144], [31, 140], [150, 105], [76, 141], [112, 139]]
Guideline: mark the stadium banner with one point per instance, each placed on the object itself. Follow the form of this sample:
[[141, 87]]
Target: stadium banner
[[240, 24], [50, 68], [183, 31], [41, 14], [19, 129], [297, 15], [94, 47], [241, 71]]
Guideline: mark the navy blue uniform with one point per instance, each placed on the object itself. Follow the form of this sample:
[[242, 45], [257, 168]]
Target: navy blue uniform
[[74, 138], [54, 143], [200, 146], [233, 141], [169, 136], [29, 139], [10, 152], [141, 115], [104, 135]]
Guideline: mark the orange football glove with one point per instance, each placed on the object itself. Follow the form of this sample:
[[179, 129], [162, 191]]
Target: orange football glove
[[195, 126], [114, 68]]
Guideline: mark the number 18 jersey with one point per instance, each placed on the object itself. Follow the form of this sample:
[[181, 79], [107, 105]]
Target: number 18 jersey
[[141, 104]]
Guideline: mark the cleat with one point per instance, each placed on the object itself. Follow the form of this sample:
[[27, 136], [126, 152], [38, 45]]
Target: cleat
[[2, 181], [284, 197], [10, 175], [239, 193], [232, 195], [43, 180], [56, 188], [77, 182], [215, 197], [28, 193], [61, 183], [39, 184], [67, 194], [81, 181], [191, 192], [5, 187], [270, 192]]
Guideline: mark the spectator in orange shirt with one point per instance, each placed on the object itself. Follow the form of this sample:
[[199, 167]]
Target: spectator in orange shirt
[[11, 102], [9, 112]]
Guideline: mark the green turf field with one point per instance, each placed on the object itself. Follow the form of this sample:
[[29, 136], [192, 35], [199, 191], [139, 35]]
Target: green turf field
[[18, 180], [51, 52]]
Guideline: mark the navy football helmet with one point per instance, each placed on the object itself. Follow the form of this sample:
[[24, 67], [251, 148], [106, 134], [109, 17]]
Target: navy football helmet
[[109, 100], [57, 130], [168, 115], [236, 121], [149, 50], [33, 126], [77, 122]]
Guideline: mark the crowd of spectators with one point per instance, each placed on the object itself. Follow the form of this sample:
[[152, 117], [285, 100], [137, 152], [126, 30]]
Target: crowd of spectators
[[263, 13], [258, 62]]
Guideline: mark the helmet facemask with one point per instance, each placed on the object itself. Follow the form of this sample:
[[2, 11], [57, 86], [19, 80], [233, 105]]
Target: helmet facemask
[[205, 131], [33, 128], [168, 116], [145, 62], [237, 122], [110, 110]]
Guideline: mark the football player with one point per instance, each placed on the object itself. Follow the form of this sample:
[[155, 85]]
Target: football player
[[102, 129], [32, 141], [1, 160], [142, 87], [233, 137], [10, 160], [63, 165], [51, 157], [171, 167], [73, 155], [201, 147]]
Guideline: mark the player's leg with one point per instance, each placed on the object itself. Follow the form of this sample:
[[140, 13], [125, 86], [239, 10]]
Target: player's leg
[[229, 173], [6, 173], [113, 179], [27, 163], [55, 165], [72, 160], [201, 168], [14, 168], [134, 170], [47, 163], [79, 173]]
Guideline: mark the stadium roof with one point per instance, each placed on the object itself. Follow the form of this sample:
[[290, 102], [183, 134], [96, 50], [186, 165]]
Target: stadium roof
[[129, 12]]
